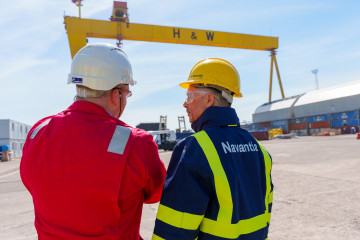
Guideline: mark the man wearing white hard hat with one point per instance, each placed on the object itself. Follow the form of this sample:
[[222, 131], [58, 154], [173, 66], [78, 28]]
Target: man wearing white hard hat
[[88, 172]]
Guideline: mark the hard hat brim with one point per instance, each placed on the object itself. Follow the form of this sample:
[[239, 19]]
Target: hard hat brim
[[95, 83], [187, 84]]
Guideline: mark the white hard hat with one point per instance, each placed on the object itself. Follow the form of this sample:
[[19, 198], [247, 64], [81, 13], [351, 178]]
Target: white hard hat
[[100, 66]]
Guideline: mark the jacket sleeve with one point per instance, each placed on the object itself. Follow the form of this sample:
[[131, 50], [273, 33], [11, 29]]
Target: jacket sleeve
[[269, 184], [271, 192], [154, 168], [186, 193]]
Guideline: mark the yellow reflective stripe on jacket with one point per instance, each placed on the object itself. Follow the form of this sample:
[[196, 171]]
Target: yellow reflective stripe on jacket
[[179, 219], [222, 186], [156, 237], [233, 231], [221, 228], [269, 196]]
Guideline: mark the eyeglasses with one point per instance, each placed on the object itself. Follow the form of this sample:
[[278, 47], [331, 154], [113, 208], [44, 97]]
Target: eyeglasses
[[128, 92], [190, 96]]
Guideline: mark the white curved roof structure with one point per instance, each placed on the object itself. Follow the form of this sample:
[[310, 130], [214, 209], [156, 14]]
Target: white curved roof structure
[[276, 105], [331, 93], [340, 98]]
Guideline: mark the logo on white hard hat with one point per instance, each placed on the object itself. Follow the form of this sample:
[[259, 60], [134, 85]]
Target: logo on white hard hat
[[76, 80]]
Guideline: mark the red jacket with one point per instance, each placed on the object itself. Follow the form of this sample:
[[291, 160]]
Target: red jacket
[[89, 174]]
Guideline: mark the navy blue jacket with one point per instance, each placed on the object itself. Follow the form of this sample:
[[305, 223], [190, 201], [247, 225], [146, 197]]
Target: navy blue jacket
[[190, 192]]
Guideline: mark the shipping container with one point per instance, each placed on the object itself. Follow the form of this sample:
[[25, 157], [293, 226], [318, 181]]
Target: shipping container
[[260, 135], [265, 125], [319, 118], [323, 124], [344, 115], [345, 122], [298, 120], [280, 124], [297, 126], [254, 126]]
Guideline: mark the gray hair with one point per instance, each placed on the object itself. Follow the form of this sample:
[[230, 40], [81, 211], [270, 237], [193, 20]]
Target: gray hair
[[85, 92], [222, 95]]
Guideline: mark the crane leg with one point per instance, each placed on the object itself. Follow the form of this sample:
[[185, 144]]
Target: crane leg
[[278, 75], [271, 73]]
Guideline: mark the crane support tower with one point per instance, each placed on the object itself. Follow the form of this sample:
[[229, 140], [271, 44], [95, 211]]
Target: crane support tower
[[120, 28], [182, 125], [163, 123]]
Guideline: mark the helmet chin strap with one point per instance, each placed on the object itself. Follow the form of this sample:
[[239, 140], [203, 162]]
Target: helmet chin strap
[[120, 104]]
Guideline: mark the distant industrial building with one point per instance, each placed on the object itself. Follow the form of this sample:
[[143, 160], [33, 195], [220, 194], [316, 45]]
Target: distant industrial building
[[13, 134], [150, 126], [306, 114]]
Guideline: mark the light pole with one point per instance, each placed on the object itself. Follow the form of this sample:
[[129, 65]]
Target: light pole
[[315, 71]]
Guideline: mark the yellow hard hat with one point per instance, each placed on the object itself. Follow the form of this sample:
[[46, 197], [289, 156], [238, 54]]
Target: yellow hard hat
[[215, 71]]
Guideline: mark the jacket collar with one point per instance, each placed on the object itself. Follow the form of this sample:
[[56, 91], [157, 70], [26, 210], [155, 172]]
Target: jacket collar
[[216, 117], [91, 108]]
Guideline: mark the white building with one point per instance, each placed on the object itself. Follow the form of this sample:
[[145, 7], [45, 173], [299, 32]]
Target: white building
[[332, 107], [13, 134]]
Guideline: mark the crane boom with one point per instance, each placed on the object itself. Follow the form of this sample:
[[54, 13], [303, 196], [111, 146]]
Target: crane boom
[[78, 29]]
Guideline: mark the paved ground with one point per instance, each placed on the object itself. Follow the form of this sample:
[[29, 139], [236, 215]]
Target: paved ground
[[316, 192], [317, 188]]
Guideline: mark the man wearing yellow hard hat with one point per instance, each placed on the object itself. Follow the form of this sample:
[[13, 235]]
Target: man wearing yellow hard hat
[[218, 184]]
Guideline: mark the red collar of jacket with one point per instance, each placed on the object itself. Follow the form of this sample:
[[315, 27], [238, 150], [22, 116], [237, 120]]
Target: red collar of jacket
[[92, 108]]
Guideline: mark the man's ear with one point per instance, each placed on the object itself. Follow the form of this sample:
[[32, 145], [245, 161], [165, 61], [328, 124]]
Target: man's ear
[[114, 97], [210, 100]]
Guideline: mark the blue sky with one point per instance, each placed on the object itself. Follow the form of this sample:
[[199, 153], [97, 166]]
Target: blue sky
[[35, 55]]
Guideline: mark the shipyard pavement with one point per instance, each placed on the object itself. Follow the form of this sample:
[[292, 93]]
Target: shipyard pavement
[[316, 192]]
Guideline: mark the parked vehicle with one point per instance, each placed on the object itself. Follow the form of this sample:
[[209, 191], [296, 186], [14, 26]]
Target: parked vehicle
[[165, 139]]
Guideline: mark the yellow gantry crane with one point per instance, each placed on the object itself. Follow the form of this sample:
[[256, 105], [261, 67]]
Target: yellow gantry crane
[[79, 29]]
